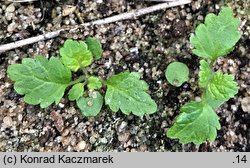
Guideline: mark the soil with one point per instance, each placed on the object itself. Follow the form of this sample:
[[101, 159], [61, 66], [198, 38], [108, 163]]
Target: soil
[[146, 45]]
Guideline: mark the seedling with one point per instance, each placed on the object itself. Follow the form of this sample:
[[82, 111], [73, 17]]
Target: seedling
[[43, 81], [177, 73], [197, 121]]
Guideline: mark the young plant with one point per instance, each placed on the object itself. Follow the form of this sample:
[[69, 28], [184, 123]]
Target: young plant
[[43, 81], [197, 121], [177, 73]]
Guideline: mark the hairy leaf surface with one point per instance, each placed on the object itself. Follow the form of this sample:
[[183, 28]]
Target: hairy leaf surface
[[94, 83], [127, 92], [91, 105], [95, 47], [205, 74], [214, 103], [222, 86], [177, 73], [42, 81], [197, 122], [75, 54], [217, 36], [76, 92]]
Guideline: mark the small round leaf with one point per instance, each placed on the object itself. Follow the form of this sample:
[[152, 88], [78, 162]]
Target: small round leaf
[[94, 83], [91, 105], [177, 73], [76, 92]]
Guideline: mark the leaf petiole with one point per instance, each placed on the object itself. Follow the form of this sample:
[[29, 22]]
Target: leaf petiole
[[85, 72], [80, 79], [212, 63]]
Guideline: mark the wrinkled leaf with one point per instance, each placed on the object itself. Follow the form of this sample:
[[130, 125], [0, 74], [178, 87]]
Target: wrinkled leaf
[[205, 74], [76, 92], [127, 92], [214, 103], [92, 105], [95, 47], [94, 83], [222, 86], [196, 123], [177, 73], [217, 36], [42, 81], [75, 54]]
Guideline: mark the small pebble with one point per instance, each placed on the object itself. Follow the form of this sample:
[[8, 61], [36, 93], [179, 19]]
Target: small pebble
[[7, 121], [9, 16], [122, 126], [99, 1], [68, 10], [124, 137], [65, 132], [11, 27], [134, 50], [245, 104], [104, 140], [10, 8], [92, 140], [58, 120], [81, 145]]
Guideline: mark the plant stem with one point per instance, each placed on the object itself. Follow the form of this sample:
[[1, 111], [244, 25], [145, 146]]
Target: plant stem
[[80, 79], [211, 67], [212, 63], [84, 70]]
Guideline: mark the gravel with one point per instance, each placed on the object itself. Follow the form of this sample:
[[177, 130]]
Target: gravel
[[245, 104]]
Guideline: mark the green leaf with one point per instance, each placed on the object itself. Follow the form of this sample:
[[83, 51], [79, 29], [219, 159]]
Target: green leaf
[[92, 105], [177, 73], [76, 92], [222, 86], [42, 81], [75, 54], [214, 103], [127, 92], [205, 74], [95, 47], [94, 83], [196, 123], [217, 36]]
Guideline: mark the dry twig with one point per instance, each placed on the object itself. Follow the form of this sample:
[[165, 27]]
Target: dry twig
[[161, 0], [21, 0], [124, 16]]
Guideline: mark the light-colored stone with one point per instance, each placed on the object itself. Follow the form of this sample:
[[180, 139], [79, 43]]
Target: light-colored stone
[[124, 137], [245, 104], [10, 8], [9, 16], [7, 121], [11, 27], [68, 10], [81, 145]]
